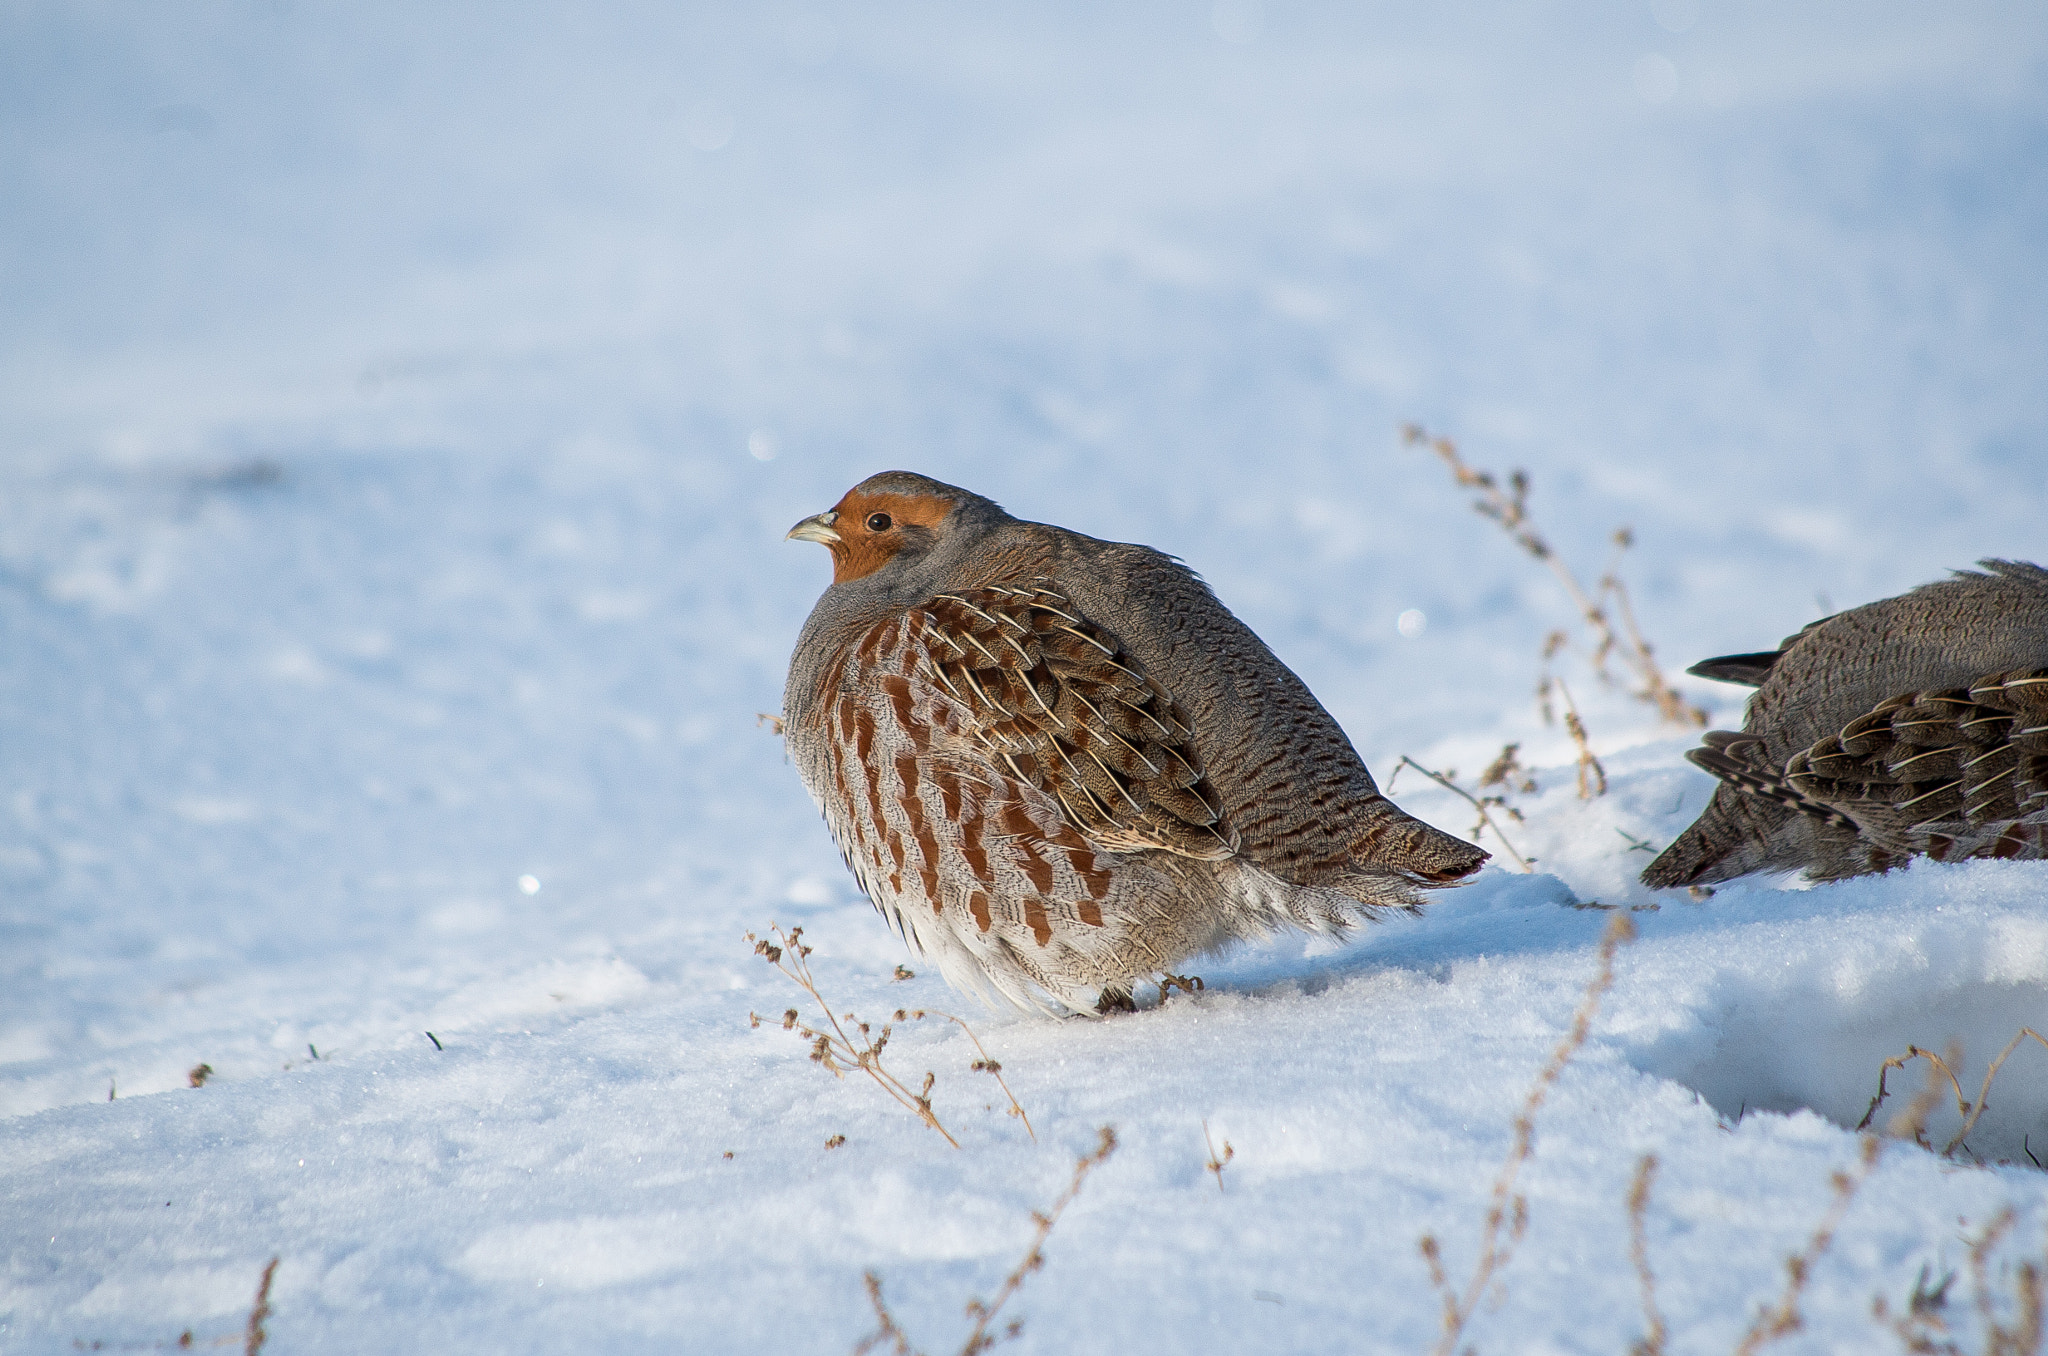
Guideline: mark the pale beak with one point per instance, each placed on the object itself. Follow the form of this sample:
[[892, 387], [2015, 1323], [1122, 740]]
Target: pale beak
[[817, 527]]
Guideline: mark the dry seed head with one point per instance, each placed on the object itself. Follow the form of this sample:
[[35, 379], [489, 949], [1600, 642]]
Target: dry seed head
[[835, 1141]]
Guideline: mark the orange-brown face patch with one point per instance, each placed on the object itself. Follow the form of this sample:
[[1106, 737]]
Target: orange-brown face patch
[[861, 549]]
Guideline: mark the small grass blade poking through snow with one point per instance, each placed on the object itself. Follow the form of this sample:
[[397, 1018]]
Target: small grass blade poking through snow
[[1508, 1211], [888, 1332], [1510, 508], [1922, 1328]]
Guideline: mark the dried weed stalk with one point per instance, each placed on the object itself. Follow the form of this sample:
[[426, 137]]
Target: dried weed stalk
[[1508, 1212], [1607, 611], [2023, 1338], [1782, 1319], [1215, 1164], [888, 1332], [252, 1337], [1654, 1334], [851, 1043], [1912, 1122], [1592, 776], [1507, 773], [259, 1313], [1923, 1328], [1483, 804]]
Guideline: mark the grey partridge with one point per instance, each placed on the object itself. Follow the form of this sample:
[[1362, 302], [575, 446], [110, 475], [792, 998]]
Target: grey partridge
[[1915, 725], [1059, 765]]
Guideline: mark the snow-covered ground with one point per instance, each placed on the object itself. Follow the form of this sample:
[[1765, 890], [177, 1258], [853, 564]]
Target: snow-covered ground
[[400, 411]]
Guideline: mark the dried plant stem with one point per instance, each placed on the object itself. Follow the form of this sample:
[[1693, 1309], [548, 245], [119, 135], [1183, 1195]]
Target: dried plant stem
[[1912, 1122], [982, 1065], [1783, 1319], [259, 1313], [1984, 1093], [1508, 1211], [251, 1338], [1592, 776], [1215, 1164], [886, 1328], [1921, 1325], [1475, 802], [984, 1312], [979, 1340], [2023, 1338], [1652, 1343], [1510, 508], [835, 1048]]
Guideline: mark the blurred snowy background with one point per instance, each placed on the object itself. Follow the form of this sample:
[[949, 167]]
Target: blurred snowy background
[[400, 411]]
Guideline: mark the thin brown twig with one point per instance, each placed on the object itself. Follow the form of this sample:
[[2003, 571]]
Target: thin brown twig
[[1215, 1164], [1508, 1209], [984, 1312], [1915, 1115], [251, 1337], [1912, 1122], [259, 1313], [983, 1065], [979, 1340], [1474, 801], [1782, 1319], [1652, 1341], [1984, 1093], [1509, 507]]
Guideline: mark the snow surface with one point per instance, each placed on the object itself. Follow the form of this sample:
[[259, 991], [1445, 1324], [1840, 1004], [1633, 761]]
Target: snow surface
[[400, 410]]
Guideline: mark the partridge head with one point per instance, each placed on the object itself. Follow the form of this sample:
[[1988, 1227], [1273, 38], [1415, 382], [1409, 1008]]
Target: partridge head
[[1059, 765], [1915, 725]]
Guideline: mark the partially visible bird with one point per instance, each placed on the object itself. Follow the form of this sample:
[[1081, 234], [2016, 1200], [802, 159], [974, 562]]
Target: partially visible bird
[[1059, 765], [1914, 725]]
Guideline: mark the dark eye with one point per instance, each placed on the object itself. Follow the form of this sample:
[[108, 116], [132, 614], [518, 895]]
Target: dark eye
[[880, 522]]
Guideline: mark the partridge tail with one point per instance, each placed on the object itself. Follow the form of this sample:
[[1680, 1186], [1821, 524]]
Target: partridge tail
[[1400, 842], [1694, 853]]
